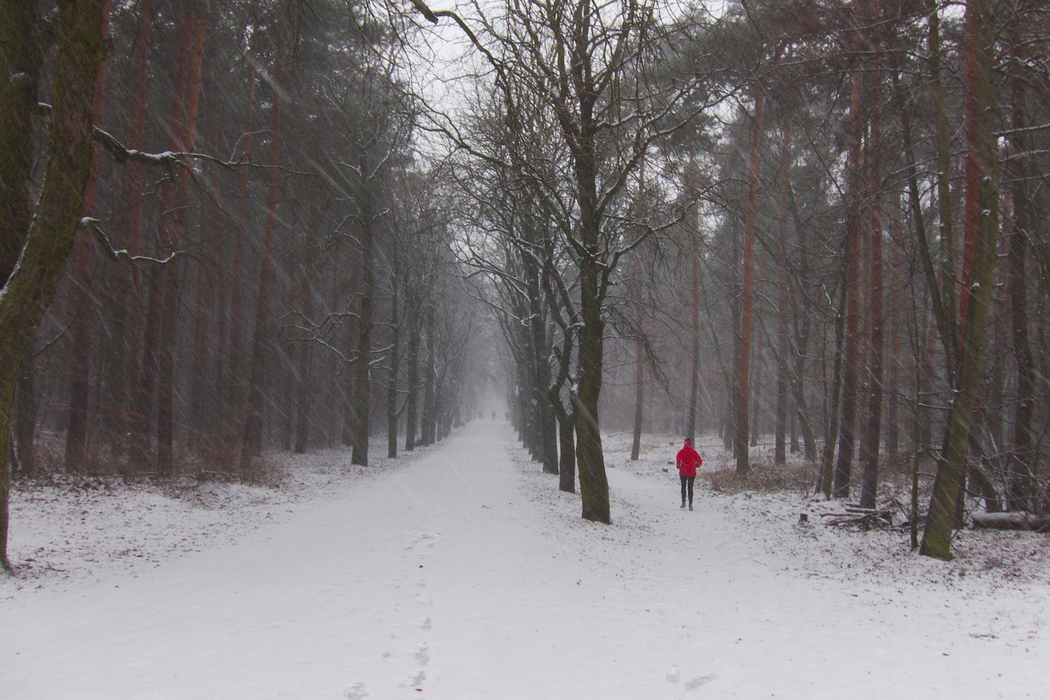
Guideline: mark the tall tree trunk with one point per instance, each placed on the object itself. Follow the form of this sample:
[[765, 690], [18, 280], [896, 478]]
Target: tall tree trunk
[[854, 225], [871, 436], [1021, 483], [946, 288], [83, 300], [868, 454], [412, 380], [48, 240], [594, 482], [757, 381], [127, 326], [305, 400], [784, 311], [893, 360], [162, 276], [567, 452], [694, 310], [741, 442], [235, 363], [639, 364], [392, 414], [429, 379], [982, 194], [184, 131], [206, 335], [826, 482], [546, 427], [363, 384], [251, 443], [802, 333]]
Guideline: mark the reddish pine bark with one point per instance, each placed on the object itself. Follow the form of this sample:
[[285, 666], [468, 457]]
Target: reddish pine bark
[[173, 233], [235, 360], [251, 443], [125, 367], [83, 299], [741, 442]]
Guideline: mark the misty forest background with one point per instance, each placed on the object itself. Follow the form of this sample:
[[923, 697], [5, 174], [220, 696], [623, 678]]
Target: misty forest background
[[816, 229]]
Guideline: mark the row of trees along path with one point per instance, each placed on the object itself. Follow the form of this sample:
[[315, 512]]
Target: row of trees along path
[[265, 223]]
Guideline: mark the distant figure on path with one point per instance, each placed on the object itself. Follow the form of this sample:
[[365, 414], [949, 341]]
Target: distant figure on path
[[688, 462]]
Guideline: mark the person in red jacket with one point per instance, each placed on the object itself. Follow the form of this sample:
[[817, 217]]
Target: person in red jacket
[[688, 462]]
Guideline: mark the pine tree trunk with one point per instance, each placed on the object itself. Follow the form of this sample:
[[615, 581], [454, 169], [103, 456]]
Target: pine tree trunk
[[741, 442], [305, 400], [946, 288], [251, 442], [235, 379], [826, 482], [412, 380], [871, 436], [784, 311], [868, 455], [205, 333], [1021, 482], [802, 334], [394, 372], [982, 194], [426, 431], [893, 360], [127, 326], [83, 298], [80, 362], [757, 382], [639, 365], [694, 345], [184, 130], [851, 356], [363, 384]]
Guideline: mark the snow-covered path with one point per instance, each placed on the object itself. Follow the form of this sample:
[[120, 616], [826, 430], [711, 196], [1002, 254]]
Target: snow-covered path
[[465, 574]]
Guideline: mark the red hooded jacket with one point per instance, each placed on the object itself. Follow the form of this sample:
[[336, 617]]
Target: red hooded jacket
[[688, 460]]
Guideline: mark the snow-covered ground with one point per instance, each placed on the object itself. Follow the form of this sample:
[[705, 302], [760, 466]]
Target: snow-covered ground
[[461, 572]]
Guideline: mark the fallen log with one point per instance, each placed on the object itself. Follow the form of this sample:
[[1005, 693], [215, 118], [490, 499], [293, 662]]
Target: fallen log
[[1011, 521], [868, 520]]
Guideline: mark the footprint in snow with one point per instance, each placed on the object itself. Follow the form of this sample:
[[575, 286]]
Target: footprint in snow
[[422, 654], [358, 692], [700, 681], [423, 539]]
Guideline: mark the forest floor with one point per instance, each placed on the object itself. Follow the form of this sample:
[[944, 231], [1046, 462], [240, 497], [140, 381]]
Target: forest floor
[[461, 572]]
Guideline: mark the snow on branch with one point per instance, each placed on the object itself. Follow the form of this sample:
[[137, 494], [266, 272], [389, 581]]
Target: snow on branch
[[115, 254]]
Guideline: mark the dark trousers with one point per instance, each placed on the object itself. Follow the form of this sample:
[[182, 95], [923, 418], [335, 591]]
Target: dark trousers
[[687, 485]]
